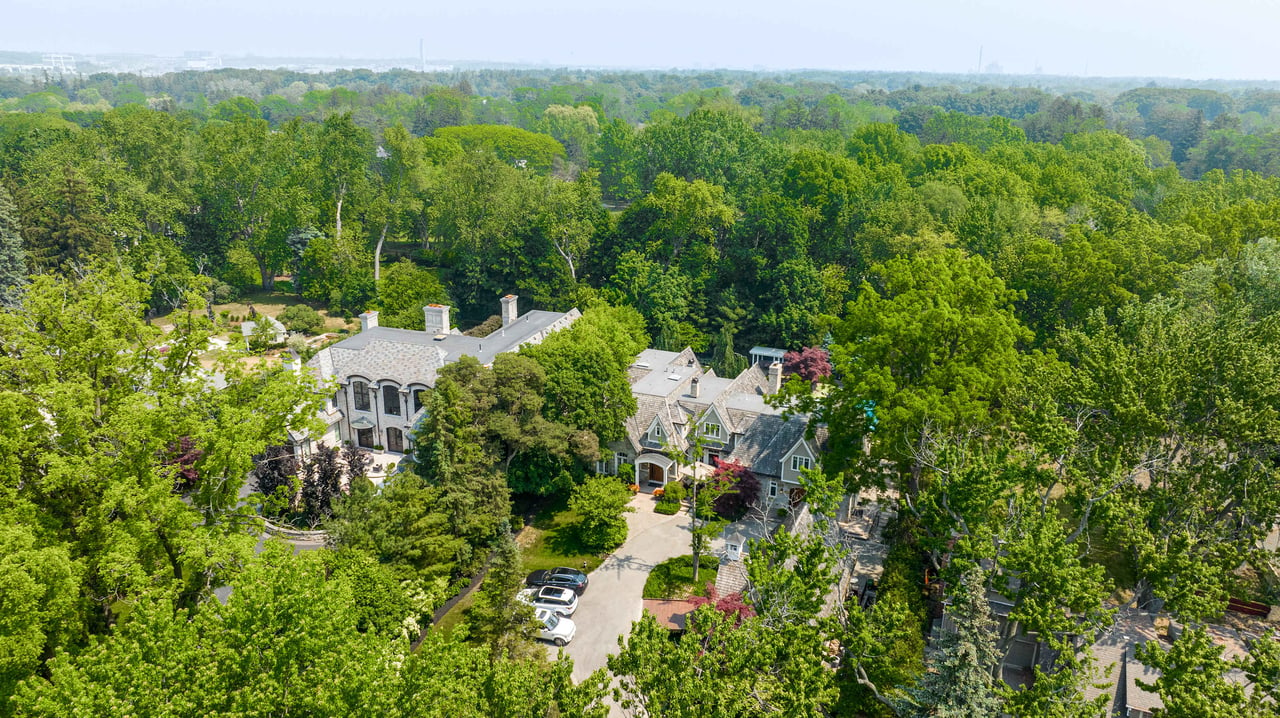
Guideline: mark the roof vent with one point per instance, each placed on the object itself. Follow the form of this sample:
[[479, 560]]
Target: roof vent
[[642, 364], [674, 377], [439, 337]]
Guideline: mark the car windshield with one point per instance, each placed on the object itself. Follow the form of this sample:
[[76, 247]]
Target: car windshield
[[552, 621]]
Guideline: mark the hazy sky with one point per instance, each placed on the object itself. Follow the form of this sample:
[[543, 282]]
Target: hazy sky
[[1174, 38]]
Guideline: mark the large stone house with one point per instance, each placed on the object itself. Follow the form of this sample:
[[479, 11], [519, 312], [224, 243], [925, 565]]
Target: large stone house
[[380, 373], [679, 401]]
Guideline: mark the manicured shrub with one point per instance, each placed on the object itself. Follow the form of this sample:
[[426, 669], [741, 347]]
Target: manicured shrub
[[301, 318]]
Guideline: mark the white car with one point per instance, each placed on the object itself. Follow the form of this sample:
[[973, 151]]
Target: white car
[[555, 628], [553, 598]]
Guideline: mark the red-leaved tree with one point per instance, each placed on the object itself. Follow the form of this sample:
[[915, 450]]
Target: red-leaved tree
[[737, 489], [810, 364], [731, 605]]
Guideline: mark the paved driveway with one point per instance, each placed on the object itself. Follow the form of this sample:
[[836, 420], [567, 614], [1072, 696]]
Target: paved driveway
[[612, 600]]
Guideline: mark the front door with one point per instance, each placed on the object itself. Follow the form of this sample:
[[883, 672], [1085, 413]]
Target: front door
[[364, 438], [656, 476]]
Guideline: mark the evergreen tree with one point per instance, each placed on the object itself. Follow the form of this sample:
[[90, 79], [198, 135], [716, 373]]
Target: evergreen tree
[[13, 260], [65, 230], [960, 682]]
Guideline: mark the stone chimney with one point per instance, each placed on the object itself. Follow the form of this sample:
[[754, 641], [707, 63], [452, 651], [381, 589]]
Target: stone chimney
[[368, 320], [437, 318], [509, 311], [693, 387], [775, 377]]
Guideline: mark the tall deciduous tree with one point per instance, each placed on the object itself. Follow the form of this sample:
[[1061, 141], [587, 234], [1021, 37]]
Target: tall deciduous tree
[[601, 505], [586, 370], [929, 350], [91, 400]]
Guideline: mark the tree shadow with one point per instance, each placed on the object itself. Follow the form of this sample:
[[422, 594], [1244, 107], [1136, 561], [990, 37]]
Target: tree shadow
[[563, 539]]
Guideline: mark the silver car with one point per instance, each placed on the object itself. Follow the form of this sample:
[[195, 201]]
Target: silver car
[[555, 628]]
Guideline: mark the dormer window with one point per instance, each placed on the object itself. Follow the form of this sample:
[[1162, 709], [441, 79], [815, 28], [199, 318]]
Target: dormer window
[[710, 430], [656, 432], [799, 463], [360, 394]]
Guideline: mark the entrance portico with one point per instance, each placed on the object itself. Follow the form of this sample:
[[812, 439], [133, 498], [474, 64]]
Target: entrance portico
[[653, 471]]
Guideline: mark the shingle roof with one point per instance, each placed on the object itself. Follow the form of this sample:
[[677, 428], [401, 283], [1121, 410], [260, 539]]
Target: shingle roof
[[407, 356], [762, 436]]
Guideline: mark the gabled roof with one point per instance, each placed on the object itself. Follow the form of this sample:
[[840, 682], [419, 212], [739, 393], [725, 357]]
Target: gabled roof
[[762, 437]]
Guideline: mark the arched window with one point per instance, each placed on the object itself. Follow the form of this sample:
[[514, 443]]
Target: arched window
[[416, 393], [360, 392], [391, 400], [395, 440]]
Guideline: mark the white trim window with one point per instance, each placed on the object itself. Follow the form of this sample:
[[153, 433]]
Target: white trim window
[[711, 430], [773, 489], [799, 463]]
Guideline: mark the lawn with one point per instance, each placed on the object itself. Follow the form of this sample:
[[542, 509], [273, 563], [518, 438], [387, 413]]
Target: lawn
[[673, 578], [271, 304], [549, 540], [455, 615]]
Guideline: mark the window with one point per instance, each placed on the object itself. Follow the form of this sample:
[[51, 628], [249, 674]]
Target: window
[[395, 440], [391, 400], [801, 462], [656, 431], [417, 399], [360, 391], [711, 430], [364, 438], [773, 489]]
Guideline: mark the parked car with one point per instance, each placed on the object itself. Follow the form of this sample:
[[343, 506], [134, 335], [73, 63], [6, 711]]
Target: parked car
[[564, 577], [553, 598], [555, 628]]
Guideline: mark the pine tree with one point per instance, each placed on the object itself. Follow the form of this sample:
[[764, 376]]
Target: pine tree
[[65, 230], [13, 260], [960, 679]]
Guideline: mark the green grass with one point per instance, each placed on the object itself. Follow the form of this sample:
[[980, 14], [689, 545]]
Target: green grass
[[450, 620], [673, 578], [549, 540]]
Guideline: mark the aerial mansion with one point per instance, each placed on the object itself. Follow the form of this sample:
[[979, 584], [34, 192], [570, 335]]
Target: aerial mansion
[[381, 372]]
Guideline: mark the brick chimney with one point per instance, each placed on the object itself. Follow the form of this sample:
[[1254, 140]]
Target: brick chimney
[[437, 318], [368, 320], [693, 387], [509, 311], [775, 377]]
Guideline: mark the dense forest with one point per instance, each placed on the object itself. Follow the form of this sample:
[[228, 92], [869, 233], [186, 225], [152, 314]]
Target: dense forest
[[1051, 320]]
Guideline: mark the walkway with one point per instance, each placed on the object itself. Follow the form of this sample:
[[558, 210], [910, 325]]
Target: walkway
[[612, 600]]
